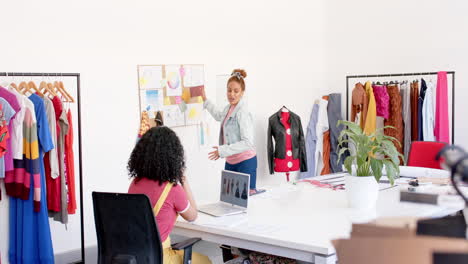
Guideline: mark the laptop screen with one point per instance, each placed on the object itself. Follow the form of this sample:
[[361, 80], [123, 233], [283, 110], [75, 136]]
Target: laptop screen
[[235, 188]]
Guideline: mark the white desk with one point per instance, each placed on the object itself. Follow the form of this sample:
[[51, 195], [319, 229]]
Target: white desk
[[299, 221]]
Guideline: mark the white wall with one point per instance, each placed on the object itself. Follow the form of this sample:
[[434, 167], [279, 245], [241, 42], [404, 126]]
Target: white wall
[[293, 53], [372, 37], [279, 43]]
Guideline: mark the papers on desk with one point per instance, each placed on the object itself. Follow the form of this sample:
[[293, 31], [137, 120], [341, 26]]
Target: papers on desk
[[228, 221]]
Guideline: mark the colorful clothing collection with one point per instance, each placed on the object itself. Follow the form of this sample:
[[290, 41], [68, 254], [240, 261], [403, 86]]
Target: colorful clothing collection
[[414, 112], [26, 134], [322, 132]]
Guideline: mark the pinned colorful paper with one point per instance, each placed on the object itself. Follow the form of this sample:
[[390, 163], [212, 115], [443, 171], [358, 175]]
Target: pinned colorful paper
[[167, 101], [186, 95], [199, 99], [173, 80], [183, 107], [178, 100], [143, 82], [163, 83], [182, 71], [193, 114]]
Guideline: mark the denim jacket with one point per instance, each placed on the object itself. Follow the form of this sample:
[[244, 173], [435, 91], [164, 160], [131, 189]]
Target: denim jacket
[[238, 129]]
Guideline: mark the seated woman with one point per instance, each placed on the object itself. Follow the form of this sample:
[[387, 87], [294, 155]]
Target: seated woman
[[157, 167]]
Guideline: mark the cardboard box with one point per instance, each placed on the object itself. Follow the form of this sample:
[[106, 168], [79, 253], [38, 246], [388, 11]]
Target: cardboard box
[[392, 250], [393, 240]]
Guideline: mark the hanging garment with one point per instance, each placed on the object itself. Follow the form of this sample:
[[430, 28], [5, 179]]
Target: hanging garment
[[421, 98], [326, 147], [334, 115], [30, 238], [6, 162], [288, 163], [441, 126], [54, 188], [51, 119], [62, 215], [70, 166], [278, 132], [6, 114], [428, 114], [406, 102], [382, 100], [414, 111], [359, 104], [17, 133], [19, 182], [370, 124], [311, 143], [395, 118], [321, 127]]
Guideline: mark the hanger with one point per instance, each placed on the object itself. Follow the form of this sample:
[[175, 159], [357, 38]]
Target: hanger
[[33, 89], [46, 89], [23, 87], [70, 98], [60, 89]]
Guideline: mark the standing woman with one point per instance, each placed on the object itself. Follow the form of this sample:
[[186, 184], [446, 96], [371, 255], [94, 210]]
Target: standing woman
[[237, 131]]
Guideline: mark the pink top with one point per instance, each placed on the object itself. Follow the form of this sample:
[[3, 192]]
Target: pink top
[[382, 100], [240, 157], [441, 126], [176, 202]]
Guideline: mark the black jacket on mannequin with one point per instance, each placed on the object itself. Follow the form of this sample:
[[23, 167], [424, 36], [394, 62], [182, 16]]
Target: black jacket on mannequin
[[277, 131]]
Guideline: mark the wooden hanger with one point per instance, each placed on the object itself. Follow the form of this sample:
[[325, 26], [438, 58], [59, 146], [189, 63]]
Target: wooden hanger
[[23, 87], [14, 86], [70, 98], [60, 90], [284, 109], [46, 89], [33, 89]]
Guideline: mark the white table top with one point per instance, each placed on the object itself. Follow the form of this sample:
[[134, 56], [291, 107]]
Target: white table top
[[304, 217]]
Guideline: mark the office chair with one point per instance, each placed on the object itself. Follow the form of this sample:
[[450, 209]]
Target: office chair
[[423, 154], [127, 232]]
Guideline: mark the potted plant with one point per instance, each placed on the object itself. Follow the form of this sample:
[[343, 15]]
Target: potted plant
[[369, 156]]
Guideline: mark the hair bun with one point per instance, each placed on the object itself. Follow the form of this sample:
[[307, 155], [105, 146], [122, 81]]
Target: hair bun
[[242, 72]]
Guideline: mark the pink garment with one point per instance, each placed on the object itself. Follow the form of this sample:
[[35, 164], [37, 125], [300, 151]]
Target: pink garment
[[176, 202], [382, 100], [441, 126], [240, 157]]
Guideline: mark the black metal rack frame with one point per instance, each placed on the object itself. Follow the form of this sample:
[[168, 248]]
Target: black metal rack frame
[[77, 76]]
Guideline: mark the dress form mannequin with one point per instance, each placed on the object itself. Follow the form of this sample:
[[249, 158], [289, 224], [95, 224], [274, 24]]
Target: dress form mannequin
[[287, 164]]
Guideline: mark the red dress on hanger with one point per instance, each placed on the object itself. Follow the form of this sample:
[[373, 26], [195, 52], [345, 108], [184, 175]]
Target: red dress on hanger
[[287, 164]]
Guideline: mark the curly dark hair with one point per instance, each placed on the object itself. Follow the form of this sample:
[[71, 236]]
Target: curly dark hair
[[158, 156]]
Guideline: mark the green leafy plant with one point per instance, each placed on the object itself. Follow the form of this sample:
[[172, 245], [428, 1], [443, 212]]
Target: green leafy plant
[[370, 153]]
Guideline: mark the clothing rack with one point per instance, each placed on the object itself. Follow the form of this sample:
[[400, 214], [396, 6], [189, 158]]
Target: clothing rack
[[348, 77], [77, 76]]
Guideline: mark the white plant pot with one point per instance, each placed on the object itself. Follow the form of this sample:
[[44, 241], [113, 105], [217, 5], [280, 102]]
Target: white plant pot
[[362, 192]]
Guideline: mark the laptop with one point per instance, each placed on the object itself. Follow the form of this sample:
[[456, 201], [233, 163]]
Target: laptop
[[234, 195]]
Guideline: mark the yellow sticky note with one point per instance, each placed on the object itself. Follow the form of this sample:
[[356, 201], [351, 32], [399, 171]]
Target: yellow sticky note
[[143, 81], [193, 113], [199, 99], [167, 101]]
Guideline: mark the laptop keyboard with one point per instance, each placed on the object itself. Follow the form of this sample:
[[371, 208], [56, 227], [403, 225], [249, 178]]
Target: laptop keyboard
[[220, 209]]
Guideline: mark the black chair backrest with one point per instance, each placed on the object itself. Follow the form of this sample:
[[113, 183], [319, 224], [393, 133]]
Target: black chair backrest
[[126, 228]]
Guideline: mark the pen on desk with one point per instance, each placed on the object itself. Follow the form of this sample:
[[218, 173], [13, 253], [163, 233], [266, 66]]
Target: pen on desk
[[340, 180], [331, 178]]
